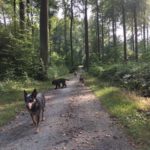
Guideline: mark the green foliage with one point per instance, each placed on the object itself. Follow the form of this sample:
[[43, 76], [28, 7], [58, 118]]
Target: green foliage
[[133, 76], [125, 109], [57, 66], [11, 96], [56, 71], [17, 56], [94, 59], [111, 54], [11, 91], [57, 59]]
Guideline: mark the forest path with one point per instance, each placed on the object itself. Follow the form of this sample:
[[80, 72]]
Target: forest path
[[75, 120]]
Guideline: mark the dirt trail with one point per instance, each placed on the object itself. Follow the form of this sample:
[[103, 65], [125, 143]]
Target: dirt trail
[[75, 120]]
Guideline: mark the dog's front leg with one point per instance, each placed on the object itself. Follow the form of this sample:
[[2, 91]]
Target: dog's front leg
[[34, 123], [37, 122], [43, 115]]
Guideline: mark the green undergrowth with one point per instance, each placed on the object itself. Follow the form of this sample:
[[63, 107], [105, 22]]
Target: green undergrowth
[[11, 91], [125, 107], [132, 76], [12, 98]]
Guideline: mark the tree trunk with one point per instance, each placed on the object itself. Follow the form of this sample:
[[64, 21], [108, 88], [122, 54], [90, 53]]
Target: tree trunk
[[65, 28], [113, 25], [136, 33], [31, 14], [97, 29], [22, 14], [144, 29], [44, 33], [86, 38], [71, 26], [124, 31], [147, 35], [102, 29], [14, 8], [132, 36], [28, 12], [109, 31]]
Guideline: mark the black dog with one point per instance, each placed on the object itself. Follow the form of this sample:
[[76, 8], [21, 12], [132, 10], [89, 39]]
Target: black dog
[[59, 82], [81, 79], [35, 103]]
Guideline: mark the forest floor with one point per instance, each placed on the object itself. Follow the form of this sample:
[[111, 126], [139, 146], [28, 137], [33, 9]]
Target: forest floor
[[75, 120]]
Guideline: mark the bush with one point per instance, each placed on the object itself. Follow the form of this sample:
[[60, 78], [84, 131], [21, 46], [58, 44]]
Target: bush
[[17, 56], [55, 71], [133, 76]]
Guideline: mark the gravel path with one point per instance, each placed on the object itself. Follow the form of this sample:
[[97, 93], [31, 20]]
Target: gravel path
[[75, 120]]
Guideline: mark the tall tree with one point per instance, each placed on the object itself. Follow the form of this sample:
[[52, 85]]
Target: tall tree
[[22, 14], [114, 24], [71, 27], [136, 31], [28, 11], [144, 25], [65, 26], [102, 29], [14, 9], [44, 32], [97, 29], [124, 30], [86, 36]]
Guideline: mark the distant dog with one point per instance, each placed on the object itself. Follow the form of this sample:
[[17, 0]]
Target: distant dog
[[60, 83], [75, 74], [81, 79], [35, 103]]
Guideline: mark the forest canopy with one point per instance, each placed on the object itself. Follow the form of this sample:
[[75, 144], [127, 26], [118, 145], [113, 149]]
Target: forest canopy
[[33, 40]]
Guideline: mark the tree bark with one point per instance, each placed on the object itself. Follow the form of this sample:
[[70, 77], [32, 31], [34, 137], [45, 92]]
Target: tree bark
[[65, 28], [113, 25], [102, 29], [71, 26], [144, 28], [136, 33], [44, 32], [147, 36], [22, 14], [124, 31], [28, 12], [97, 29], [132, 36], [86, 38], [14, 8]]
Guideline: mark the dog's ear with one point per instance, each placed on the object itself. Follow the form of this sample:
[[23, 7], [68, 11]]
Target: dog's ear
[[34, 93], [25, 93]]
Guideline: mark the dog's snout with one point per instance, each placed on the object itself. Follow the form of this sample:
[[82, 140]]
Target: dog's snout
[[30, 105]]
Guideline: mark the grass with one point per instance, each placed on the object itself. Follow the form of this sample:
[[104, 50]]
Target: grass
[[124, 106], [11, 97]]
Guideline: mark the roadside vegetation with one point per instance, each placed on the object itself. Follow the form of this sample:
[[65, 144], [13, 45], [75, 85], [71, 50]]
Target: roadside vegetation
[[124, 105], [132, 76], [12, 98], [37, 46], [11, 92]]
